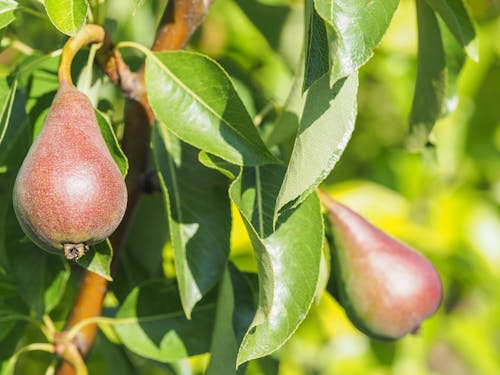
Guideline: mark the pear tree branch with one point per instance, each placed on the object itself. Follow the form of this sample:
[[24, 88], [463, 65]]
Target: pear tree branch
[[179, 21]]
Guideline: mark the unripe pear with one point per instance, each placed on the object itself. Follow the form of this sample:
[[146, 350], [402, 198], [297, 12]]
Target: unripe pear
[[69, 192], [386, 288]]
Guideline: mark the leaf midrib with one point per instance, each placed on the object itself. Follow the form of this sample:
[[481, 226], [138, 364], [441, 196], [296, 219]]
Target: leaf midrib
[[201, 101]]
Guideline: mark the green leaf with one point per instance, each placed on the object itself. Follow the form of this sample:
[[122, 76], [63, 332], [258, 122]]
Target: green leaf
[[211, 161], [11, 162], [325, 128], [224, 348], [196, 99], [199, 215], [112, 143], [234, 314], [431, 78], [288, 120], [7, 96], [317, 61], [98, 259], [68, 16], [108, 358], [41, 287], [151, 323], [12, 115], [288, 257], [354, 29], [456, 17], [8, 344], [8, 319], [11, 301], [38, 75], [135, 264], [7, 8], [7, 286]]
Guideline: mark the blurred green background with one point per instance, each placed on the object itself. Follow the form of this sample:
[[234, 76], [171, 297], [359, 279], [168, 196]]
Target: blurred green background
[[445, 203]]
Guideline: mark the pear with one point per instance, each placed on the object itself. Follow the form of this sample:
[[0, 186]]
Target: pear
[[69, 193], [386, 288]]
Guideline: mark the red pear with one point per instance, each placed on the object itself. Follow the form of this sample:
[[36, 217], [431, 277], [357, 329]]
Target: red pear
[[386, 288], [69, 192]]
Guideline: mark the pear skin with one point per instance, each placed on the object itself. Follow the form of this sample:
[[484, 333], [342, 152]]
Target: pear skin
[[386, 288], [69, 193]]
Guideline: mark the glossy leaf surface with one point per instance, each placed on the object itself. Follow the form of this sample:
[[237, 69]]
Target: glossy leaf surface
[[195, 98], [288, 257], [199, 215], [354, 29], [67, 16], [325, 128]]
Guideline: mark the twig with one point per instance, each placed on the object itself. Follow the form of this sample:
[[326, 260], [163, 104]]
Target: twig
[[179, 21]]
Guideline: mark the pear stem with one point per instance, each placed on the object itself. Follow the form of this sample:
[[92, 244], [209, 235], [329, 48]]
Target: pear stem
[[88, 34]]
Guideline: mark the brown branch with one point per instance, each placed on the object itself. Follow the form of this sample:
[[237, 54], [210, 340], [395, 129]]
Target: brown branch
[[112, 64], [179, 21]]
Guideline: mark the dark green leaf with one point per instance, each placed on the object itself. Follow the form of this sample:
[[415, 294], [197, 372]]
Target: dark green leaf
[[12, 115], [137, 265], [10, 165], [269, 365], [7, 95], [112, 143], [317, 56], [42, 286], [288, 258], [98, 259], [431, 78], [457, 19], [151, 323], [7, 8], [196, 99], [38, 74], [325, 128], [13, 316], [234, 314], [9, 343], [68, 16], [199, 215], [287, 123], [354, 29], [224, 347], [7, 286], [108, 358], [211, 161], [8, 320]]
